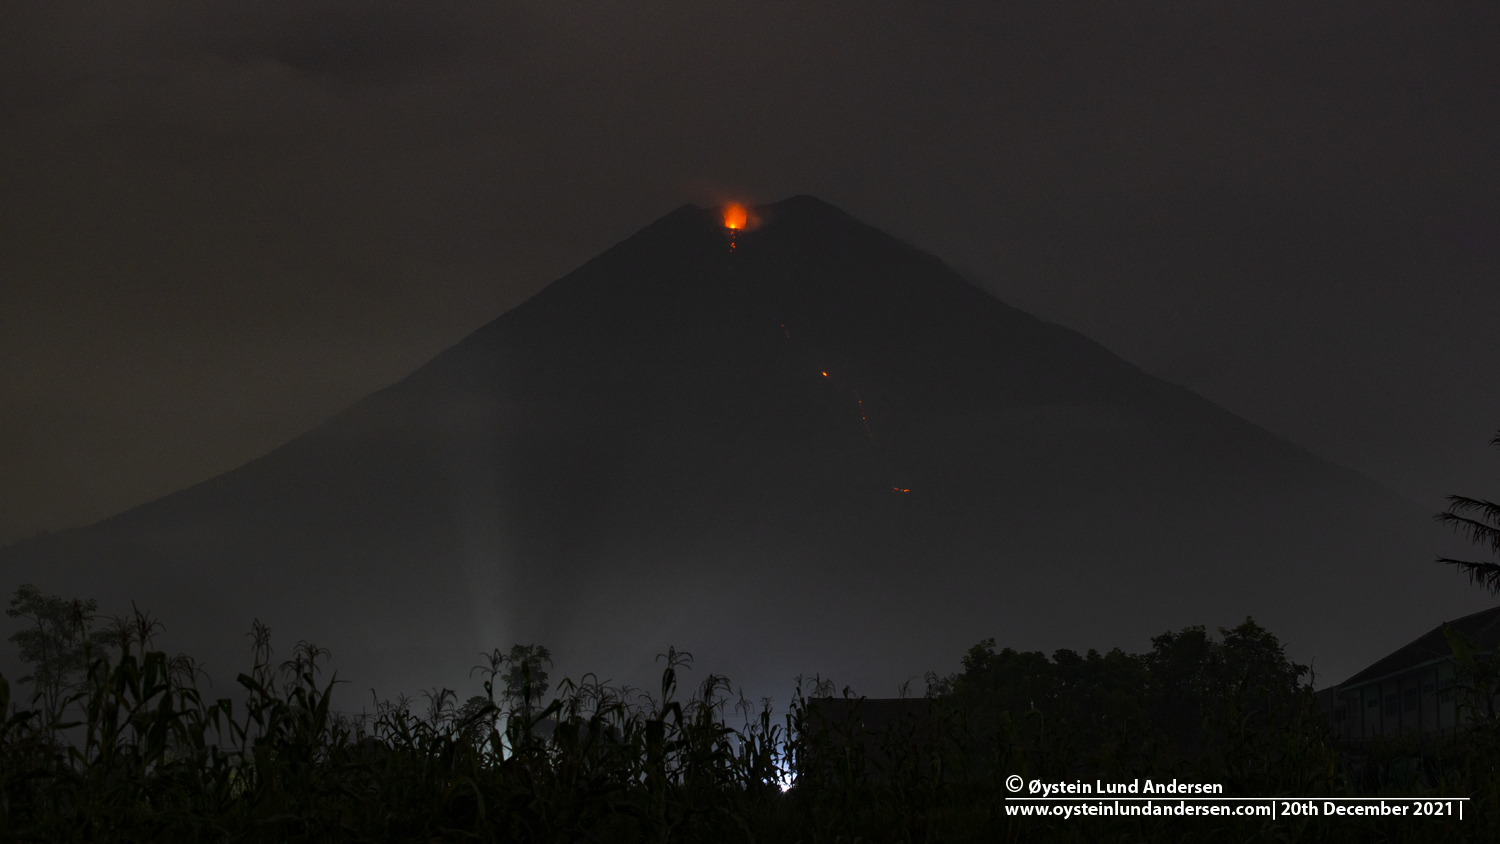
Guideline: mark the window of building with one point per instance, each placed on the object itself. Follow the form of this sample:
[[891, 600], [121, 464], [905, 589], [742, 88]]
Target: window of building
[[1427, 688], [1445, 689], [1409, 700]]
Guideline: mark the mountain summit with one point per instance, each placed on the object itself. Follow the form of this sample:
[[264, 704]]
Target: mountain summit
[[821, 450]]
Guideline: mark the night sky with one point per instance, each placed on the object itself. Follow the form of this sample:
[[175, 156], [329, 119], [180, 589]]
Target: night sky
[[222, 223]]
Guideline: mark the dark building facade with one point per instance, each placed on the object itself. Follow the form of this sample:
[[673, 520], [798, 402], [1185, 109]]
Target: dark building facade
[[1414, 690], [888, 732]]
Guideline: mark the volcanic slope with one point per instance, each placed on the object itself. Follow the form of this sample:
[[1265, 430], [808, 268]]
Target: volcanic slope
[[823, 451]]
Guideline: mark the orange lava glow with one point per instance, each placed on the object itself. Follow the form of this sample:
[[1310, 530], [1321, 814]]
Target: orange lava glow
[[899, 489], [825, 375], [863, 419], [735, 216]]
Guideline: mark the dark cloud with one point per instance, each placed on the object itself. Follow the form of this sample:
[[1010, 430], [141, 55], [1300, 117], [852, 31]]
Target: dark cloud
[[381, 43]]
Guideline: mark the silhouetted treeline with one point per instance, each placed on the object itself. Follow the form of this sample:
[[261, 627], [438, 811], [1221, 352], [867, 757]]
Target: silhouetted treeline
[[119, 743], [1168, 701]]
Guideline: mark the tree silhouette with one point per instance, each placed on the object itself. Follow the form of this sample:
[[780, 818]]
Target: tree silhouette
[[1479, 519], [54, 641]]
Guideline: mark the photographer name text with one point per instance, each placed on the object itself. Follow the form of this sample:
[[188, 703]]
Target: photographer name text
[[1143, 787]]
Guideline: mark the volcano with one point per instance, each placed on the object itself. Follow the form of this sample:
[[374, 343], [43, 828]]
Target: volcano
[[820, 451]]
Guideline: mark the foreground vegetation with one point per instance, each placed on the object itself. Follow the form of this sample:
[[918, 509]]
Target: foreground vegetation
[[117, 743]]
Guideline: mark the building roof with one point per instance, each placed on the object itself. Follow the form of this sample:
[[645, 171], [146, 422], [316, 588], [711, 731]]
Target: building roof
[[874, 714], [1482, 629]]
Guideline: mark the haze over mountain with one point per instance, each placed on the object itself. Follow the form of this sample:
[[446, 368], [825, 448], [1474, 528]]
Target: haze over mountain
[[820, 451]]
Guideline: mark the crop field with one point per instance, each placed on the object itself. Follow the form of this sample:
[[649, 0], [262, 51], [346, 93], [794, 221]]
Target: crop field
[[110, 740]]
